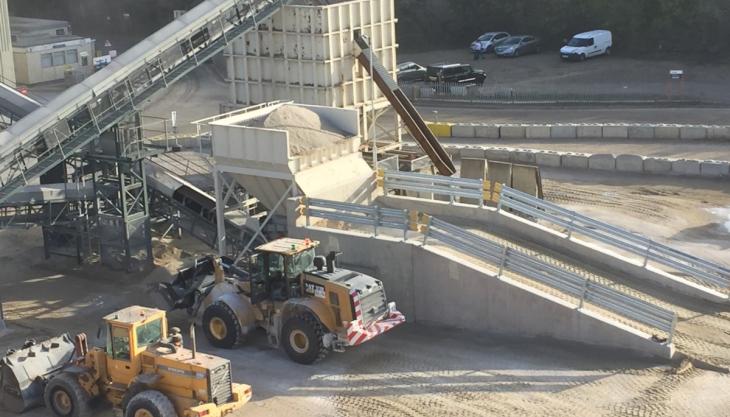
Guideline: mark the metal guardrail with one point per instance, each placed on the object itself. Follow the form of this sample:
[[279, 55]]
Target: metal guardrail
[[373, 216], [506, 259], [579, 287], [706, 272], [435, 184]]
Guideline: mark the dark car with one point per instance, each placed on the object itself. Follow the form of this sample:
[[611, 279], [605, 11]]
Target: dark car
[[455, 73], [410, 72], [518, 46]]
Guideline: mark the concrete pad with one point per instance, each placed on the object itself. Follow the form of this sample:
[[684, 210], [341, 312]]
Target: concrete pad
[[616, 132], [666, 132], [537, 132], [589, 132], [463, 131], [486, 131], [548, 159], [718, 132], [686, 167], [657, 165], [603, 162], [714, 168], [692, 132], [498, 154], [630, 163], [512, 132], [563, 132], [574, 161], [641, 132], [521, 156], [477, 153]]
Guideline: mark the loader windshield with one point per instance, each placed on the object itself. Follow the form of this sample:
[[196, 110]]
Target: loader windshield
[[149, 333], [301, 262]]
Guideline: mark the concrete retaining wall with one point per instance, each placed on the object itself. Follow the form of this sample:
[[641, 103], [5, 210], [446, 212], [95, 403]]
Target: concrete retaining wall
[[583, 131], [601, 162], [431, 287]]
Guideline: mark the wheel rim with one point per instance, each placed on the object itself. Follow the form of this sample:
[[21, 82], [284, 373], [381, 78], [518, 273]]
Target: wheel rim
[[217, 328], [62, 402], [143, 413], [299, 341]]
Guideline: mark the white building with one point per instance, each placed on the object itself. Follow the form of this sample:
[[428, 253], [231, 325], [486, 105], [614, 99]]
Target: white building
[[7, 73], [46, 50]]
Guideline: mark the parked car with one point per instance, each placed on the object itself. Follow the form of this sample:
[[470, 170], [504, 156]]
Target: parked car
[[410, 71], [487, 42], [586, 45], [518, 46], [455, 73]]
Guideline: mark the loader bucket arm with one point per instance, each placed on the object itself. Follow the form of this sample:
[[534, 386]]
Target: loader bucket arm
[[25, 372]]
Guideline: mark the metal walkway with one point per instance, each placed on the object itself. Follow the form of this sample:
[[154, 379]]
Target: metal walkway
[[49, 135], [405, 109]]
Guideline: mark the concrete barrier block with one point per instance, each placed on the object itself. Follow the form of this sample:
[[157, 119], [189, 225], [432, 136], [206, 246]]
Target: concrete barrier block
[[472, 153], [574, 161], [714, 168], [666, 132], [495, 154], [521, 156], [657, 165], [442, 130], [548, 159], [537, 132], [563, 132], [463, 131], [629, 163], [473, 168], [718, 132], [693, 132], [686, 167], [589, 132], [603, 162], [485, 131], [616, 132], [512, 132], [641, 132]]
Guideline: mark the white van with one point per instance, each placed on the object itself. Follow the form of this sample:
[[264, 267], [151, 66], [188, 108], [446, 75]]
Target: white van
[[587, 45]]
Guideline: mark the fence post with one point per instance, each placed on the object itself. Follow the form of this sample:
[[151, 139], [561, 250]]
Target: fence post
[[505, 252], [376, 219], [306, 200], [648, 251]]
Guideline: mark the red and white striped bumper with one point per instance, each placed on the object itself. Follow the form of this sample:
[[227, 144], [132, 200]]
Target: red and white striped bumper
[[357, 333]]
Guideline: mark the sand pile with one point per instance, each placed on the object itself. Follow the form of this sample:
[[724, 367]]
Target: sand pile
[[306, 130]]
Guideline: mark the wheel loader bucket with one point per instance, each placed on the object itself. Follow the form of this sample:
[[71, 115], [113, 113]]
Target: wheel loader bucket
[[24, 373]]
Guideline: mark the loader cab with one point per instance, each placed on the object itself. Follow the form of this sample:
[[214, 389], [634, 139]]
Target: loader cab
[[277, 266], [128, 333]]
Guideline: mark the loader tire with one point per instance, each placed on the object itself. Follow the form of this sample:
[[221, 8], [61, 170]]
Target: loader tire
[[302, 337], [221, 326], [150, 403], [65, 397]]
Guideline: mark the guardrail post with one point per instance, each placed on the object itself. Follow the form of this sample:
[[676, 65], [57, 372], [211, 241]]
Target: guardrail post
[[451, 194], [376, 219], [501, 198], [570, 225], [583, 295], [406, 221], [648, 252], [671, 330], [481, 195], [306, 200], [505, 253]]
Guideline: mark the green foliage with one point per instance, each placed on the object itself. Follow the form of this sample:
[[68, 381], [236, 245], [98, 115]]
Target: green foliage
[[695, 26]]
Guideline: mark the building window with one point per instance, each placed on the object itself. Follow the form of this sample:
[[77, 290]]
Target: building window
[[59, 58], [46, 60], [60, 32], [72, 56]]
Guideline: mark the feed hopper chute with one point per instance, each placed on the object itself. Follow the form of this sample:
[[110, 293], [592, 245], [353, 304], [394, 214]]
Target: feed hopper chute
[[318, 148], [24, 373]]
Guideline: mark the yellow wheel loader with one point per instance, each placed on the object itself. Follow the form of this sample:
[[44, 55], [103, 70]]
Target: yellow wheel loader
[[306, 305], [142, 370]]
